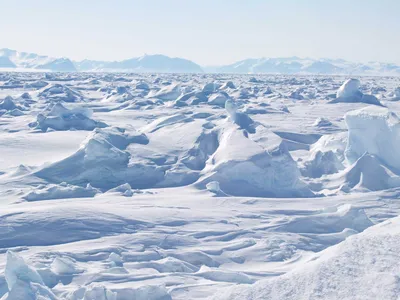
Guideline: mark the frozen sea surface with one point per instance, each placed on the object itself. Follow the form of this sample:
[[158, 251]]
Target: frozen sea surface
[[161, 186]]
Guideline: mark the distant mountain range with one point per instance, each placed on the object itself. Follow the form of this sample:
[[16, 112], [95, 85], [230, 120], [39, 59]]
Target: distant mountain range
[[12, 59], [296, 65]]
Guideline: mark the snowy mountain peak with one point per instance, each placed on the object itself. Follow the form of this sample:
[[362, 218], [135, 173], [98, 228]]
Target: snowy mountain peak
[[27, 60]]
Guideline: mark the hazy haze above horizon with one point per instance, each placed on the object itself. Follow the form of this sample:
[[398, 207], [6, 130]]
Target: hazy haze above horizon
[[207, 32]]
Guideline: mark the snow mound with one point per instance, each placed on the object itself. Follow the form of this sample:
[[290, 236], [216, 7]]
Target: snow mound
[[322, 122], [15, 113], [166, 121], [210, 88], [59, 92], [214, 187], [364, 266], [167, 93], [368, 173], [244, 168], [296, 95], [375, 130], [239, 118], [36, 84], [218, 99], [142, 86], [322, 163], [228, 85], [103, 162], [331, 220], [63, 266], [62, 118], [120, 95], [350, 88], [7, 103], [61, 191], [349, 92], [224, 275], [191, 98]]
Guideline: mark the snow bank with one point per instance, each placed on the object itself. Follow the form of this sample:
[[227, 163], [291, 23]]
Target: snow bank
[[330, 220], [374, 130], [59, 92], [62, 118], [364, 266]]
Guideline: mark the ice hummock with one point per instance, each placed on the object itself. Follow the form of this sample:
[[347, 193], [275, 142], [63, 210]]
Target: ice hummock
[[23, 281], [244, 168], [350, 92], [375, 130], [61, 118]]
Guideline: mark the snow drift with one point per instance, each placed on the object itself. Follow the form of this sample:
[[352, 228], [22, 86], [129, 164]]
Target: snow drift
[[364, 266]]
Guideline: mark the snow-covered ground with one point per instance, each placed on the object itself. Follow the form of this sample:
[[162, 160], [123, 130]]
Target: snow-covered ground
[[178, 186]]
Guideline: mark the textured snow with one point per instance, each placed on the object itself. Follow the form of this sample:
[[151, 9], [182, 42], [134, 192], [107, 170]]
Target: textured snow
[[365, 266], [198, 186]]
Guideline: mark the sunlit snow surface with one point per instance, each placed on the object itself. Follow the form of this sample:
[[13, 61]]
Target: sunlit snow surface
[[158, 186]]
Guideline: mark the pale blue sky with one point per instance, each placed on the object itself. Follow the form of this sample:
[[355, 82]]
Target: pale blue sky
[[208, 32]]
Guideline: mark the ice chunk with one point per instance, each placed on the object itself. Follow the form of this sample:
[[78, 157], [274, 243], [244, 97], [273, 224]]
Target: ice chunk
[[99, 293], [29, 291], [17, 269], [349, 92], [218, 99], [62, 118], [322, 122], [239, 118], [322, 163], [375, 130], [115, 258], [350, 88], [8, 103], [167, 93], [243, 168], [63, 265], [59, 92]]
